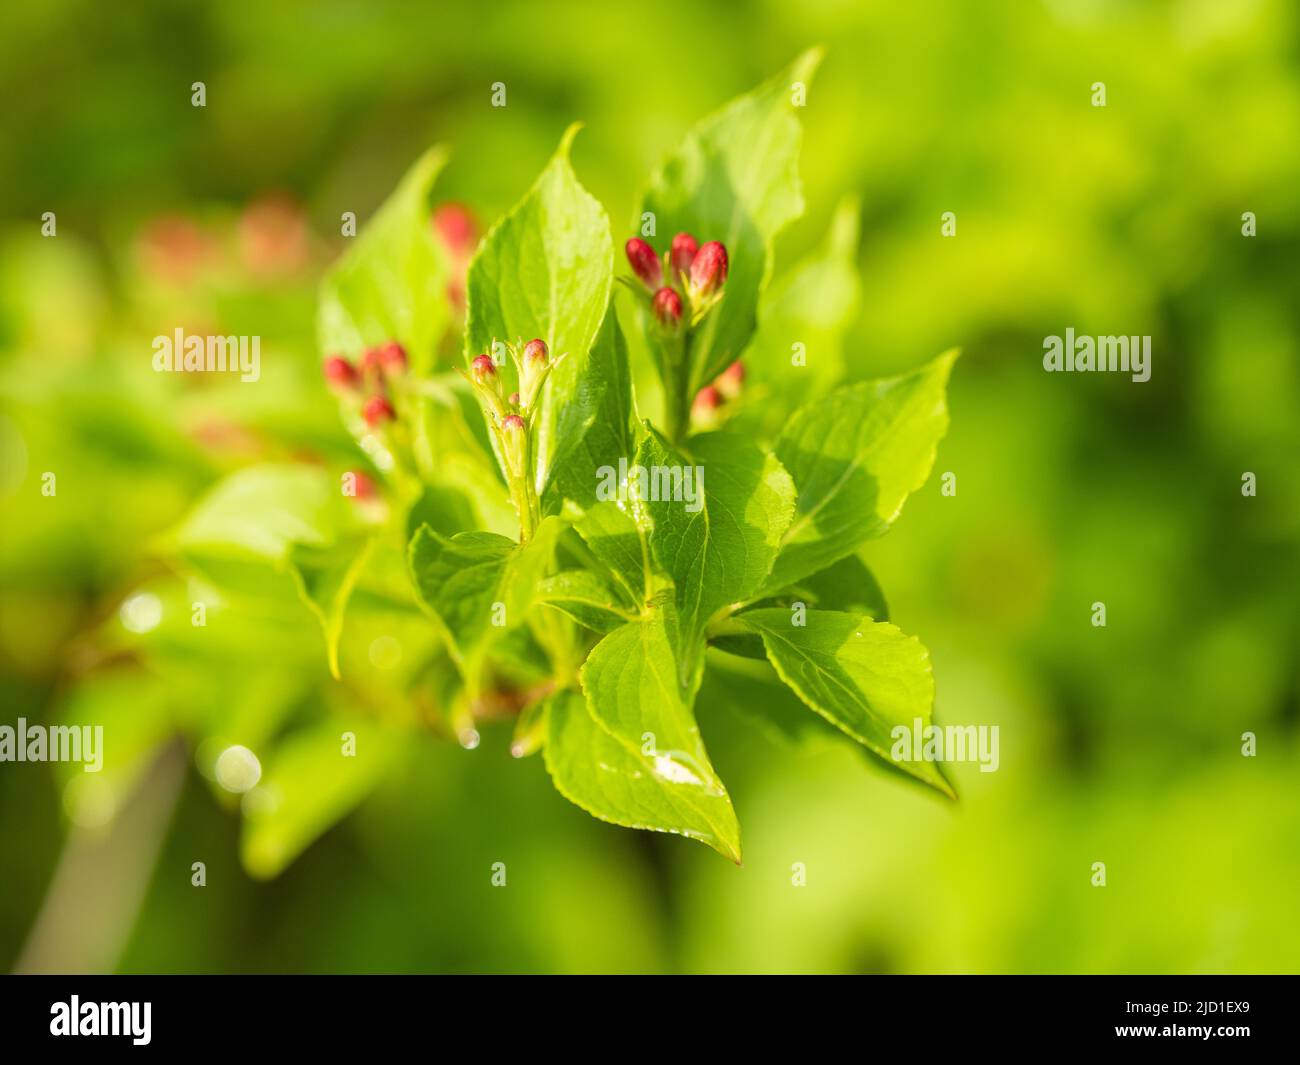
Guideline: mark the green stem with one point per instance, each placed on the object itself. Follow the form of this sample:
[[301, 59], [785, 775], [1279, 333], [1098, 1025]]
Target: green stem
[[723, 624], [521, 495], [677, 397]]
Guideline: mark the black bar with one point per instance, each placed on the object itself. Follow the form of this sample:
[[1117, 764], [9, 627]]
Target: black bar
[[244, 1017]]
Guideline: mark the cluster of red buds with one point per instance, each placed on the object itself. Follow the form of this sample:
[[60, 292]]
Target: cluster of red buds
[[685, 283], [512, 418], [366, 381]]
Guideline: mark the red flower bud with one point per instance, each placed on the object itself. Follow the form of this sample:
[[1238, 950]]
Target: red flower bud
[[533, 371], [731, 380], [370, 361], [514, 445], [363, 486], [340, 374], [683, 252], [454, 226], [377, 410], [456, 294], [707, 399], [485, 378], [392, 357], [514, 400], [645, 263], [709, 269], [535, 353], [667, 308]]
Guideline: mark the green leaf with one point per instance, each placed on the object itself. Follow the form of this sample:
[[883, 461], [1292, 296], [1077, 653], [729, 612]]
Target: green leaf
[[444, 509], [716, 550], [473, 578], [595, 423], [392, 283], [846, 585], [308, 786], [863, 676], [325, 580], [812, 305], [586, 597], [618, 540], [278, 532], [753, 691], [855, 456], [736, 179], [262, 512], [632, 753], [545, 270]]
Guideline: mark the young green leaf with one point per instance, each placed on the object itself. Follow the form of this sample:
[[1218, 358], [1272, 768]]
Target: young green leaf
[[797, 353], [545, 270], [618, 538], [846, 585], [753, 691], [587, 598], [309, 785], [476, 584], [279, 532], [855, 456], [735, 179], [644, 739], [634, 689], [716, 542], [325, 580], [594, 426], [262, 512], [392, 283], [863, 676]]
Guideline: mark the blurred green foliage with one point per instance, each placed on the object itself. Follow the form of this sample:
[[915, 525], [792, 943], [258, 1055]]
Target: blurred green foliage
[[1119, 744]]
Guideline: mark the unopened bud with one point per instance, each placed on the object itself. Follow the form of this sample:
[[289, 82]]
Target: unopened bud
[[514, 400], [486, 380], [667, 308], [683, 253], [392, 357], [645, 263], [534, 366], [709, 269], [377, 411], [514, 444], [454, 226], [707, 400], [363, 486], [535, 353], [731, 380], [340, 374], [371, 366]]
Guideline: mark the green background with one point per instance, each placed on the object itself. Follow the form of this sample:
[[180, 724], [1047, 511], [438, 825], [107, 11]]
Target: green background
[[1120, 744]]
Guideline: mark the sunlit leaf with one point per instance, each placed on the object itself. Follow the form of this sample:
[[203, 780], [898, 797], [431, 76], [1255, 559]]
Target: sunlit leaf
[[855, 456], [865, 677]]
